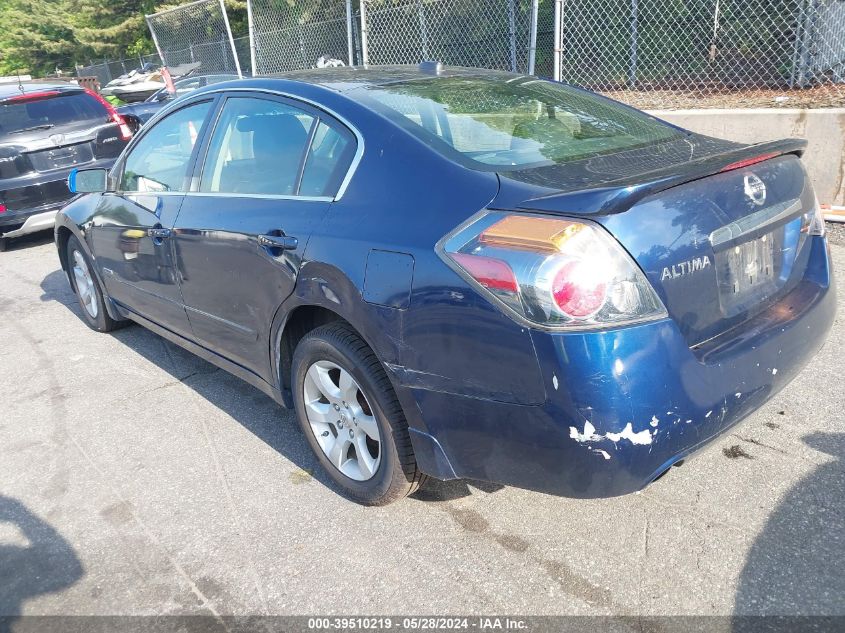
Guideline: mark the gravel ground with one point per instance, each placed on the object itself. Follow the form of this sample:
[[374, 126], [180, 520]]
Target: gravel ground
[[836, 233], [137, 479], [830, 96]]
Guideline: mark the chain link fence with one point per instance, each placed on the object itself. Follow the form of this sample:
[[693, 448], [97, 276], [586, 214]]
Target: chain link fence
[[108, 70], [198, 34], [482, 33], [649, 53], [665, 54], [293, 35]]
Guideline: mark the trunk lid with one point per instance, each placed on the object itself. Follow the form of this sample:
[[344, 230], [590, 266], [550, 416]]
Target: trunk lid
[[719, 237]]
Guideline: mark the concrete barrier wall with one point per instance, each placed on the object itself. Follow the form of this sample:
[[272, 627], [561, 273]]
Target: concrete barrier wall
[[824, 130]]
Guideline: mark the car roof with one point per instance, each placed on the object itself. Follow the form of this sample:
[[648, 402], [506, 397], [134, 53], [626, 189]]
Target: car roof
[[351, 81], [12, 89], [347, 78]]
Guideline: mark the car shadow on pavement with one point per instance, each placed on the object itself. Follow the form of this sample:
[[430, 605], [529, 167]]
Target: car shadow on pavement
[[796, 566], [28, 241], [252, 409], [42, 562]]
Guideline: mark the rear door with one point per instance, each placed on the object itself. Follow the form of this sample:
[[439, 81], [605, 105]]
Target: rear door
[[271, 169], [131, 229]]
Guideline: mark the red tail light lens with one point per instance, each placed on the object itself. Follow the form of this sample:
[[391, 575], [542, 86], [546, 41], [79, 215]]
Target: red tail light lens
[[551, 271], [578, 290], [749, 161], [32, 96], [125, 132], [493, 274], [2, 208]]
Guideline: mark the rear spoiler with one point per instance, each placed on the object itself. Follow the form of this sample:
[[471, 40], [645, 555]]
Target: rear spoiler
[[622, 194]]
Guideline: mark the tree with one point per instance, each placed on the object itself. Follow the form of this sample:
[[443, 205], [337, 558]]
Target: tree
[[35, 36]]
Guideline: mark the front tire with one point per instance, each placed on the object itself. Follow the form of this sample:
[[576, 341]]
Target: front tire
[[87, 288], [350, 416]]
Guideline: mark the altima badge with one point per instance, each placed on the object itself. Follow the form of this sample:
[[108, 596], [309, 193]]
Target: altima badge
[[682, 269], [755, 189]]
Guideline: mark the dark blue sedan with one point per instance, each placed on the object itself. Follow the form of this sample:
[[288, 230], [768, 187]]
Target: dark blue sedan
[[460, 273]]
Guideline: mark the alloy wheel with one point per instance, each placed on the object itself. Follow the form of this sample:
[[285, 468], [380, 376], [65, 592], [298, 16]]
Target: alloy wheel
[[342, 420], [85, 285]]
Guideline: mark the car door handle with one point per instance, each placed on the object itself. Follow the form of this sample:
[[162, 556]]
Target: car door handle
[[158, 233], [284, 242]]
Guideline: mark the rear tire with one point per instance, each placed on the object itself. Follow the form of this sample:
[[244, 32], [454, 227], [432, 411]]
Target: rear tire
[[4, 244], [87, 288], [351, 417]]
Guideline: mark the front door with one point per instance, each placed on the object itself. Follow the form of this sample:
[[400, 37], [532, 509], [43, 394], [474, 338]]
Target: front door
[[269, 175], [131, 232]]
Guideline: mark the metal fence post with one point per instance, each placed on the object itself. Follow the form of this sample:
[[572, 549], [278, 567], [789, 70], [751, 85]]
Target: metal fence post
[[349, 31], [302, 46], [365, 53], [806, 40], [252, 43], [558, 41], [423, 34], [155, 41], [231, 39], [532, 36], [632, 68], [512, 32]]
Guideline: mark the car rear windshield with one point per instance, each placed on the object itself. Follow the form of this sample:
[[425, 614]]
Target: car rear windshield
[[514, 124], [21, 114]]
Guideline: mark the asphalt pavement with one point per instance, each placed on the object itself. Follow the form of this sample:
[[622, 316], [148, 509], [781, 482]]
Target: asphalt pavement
[[138, 479]]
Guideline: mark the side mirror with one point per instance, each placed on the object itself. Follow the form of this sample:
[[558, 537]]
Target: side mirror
[[88, 180]]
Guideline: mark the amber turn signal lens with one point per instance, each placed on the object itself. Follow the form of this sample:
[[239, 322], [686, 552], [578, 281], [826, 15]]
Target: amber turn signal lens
[[530, 233]]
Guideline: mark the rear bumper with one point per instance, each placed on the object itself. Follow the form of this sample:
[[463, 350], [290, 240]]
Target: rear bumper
[[32, 224], [34, 199], [624, 405]]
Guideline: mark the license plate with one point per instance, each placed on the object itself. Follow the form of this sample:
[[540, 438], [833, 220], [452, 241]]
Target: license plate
[[746, 271], [63, 157]]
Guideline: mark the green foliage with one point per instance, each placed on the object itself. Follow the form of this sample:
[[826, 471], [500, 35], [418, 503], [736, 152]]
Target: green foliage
[[38, 36]]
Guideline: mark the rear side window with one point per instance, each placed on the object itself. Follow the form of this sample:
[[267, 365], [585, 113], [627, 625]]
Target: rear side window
[[510, 125], [159, 161], [21, 114], [328, 159], [257, 148]]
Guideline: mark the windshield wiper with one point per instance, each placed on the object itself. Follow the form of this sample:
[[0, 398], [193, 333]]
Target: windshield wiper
[[45, 126]]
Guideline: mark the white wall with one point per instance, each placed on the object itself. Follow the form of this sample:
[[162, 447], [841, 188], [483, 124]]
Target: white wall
[[824, 130]]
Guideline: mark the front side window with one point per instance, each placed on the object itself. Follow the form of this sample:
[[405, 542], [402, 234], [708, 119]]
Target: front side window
[[159, 161], [490, 123], [257, 148]]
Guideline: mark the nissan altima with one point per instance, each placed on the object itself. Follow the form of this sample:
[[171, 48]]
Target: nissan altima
[[459, 273]]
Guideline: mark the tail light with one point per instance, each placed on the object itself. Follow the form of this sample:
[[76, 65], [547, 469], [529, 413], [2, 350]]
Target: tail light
[[813, 221], [550, 271], [114, 115], [2, 208], [32, 96], [13, 162]]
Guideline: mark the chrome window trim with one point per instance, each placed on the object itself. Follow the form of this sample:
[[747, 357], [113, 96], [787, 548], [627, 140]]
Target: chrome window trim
[[208, 194], [262, 196], [356, 159]]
